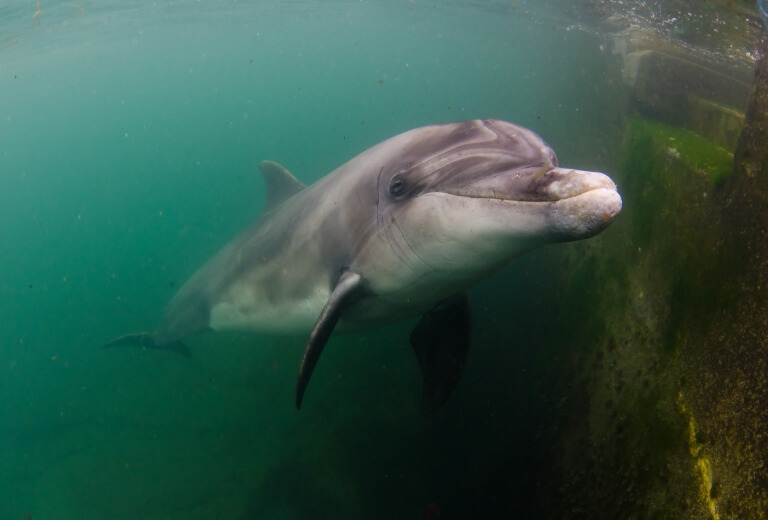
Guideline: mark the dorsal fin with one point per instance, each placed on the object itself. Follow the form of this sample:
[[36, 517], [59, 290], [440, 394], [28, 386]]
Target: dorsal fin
[[281, 184]]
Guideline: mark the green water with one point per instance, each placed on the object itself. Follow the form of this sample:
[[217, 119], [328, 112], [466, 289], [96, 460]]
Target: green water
[[129, 138]]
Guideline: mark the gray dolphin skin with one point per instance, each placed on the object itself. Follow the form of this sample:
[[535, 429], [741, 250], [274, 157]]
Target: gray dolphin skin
[[401, 230]]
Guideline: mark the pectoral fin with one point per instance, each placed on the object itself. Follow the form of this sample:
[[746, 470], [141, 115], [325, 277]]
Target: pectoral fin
[[347, 290], [441, 341]]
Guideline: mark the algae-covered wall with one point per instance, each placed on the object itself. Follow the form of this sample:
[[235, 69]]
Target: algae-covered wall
[[659, 403], [729, 355]]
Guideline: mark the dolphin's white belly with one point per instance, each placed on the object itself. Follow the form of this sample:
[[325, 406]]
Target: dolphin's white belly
[[247, 307]]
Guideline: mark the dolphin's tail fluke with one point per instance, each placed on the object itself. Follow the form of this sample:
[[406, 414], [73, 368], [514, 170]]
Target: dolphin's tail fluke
[[145, 340]]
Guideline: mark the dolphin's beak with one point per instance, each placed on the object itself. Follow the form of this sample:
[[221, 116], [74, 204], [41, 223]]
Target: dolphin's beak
[[579, 203], [586, 202]]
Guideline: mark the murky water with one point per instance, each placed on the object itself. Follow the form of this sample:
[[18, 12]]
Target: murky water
[[129, 139]]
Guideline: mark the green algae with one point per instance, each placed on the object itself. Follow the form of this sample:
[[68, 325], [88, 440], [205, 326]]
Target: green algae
[[697, 152], [647, 287]]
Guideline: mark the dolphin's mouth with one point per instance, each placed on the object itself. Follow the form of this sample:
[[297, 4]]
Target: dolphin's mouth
[[546, 184]]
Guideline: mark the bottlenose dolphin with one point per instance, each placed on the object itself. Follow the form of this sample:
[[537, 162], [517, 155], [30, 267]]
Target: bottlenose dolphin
[[401, 230]]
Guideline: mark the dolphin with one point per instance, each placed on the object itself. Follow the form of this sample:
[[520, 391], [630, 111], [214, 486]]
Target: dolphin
[[401, 230]]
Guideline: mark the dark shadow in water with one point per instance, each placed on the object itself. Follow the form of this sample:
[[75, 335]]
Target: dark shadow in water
[[289, 491]]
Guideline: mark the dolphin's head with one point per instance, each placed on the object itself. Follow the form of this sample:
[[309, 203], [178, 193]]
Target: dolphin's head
[[464, 199]]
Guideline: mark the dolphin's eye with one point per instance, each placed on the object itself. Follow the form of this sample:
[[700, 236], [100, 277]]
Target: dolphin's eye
[[397, 186]]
